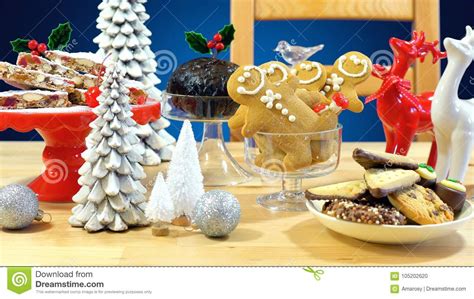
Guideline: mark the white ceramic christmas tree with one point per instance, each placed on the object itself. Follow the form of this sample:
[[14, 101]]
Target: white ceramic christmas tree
[[160, 207], [126, 39], [185, 180], [111, 196], [157, 144]]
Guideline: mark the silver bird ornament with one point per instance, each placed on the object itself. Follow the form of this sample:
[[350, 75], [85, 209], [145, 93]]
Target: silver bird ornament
[[296, 54]]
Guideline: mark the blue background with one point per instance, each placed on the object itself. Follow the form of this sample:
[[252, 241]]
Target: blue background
[[169, 19]]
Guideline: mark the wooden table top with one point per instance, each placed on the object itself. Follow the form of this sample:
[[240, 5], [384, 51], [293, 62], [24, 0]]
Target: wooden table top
[[262, 237]]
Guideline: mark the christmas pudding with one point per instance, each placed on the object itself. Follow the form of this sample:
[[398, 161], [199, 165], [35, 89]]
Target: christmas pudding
[[197, 88]]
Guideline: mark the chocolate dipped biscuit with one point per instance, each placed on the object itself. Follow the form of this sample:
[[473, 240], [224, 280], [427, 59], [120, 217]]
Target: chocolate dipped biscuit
[[366, 211], [351, 190], [382, 182], [377, 159], [452, 192], [427, 175]]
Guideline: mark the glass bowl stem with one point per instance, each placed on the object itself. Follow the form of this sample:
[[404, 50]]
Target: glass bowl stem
[[218, 166]]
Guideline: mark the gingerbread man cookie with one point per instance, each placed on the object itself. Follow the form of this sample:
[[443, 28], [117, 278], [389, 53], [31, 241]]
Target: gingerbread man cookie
[[348, 71], [275, 108], [311, 75], [276, 73], [311, 79], [271, 157]]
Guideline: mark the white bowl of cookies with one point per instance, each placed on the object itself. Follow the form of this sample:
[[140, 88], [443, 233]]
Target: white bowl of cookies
[[397, 202]]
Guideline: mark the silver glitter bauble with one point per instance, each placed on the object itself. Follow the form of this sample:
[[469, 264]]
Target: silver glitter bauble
[[18, 207], [217, 213]]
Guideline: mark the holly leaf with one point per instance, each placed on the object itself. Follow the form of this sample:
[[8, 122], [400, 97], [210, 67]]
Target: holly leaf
[[20, 45], [197, 42], [60, 36], [227, 33]]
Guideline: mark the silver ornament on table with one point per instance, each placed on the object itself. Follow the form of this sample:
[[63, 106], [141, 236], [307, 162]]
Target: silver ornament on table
[[293, 55], [217, 213], [18, 207]]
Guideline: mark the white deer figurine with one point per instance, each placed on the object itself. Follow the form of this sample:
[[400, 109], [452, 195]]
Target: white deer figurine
[[453, 118]]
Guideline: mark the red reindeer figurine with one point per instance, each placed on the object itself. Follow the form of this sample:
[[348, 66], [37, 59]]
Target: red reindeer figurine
[[402, 113]]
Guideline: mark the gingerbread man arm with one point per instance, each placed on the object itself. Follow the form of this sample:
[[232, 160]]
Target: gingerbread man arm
[[253, 123], [238, 120], [355, 104], [311, 98]]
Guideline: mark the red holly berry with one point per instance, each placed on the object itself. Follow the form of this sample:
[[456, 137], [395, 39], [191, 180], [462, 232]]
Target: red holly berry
[[91, 96], [211, 44], [34, 52], [32, 44], [341, 100], [42, 48], [220, 46], [319, 107], [217, 37]]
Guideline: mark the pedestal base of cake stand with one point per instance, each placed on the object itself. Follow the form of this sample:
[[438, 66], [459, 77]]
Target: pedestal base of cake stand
[[64, 131], [58, 181], [218, 166]]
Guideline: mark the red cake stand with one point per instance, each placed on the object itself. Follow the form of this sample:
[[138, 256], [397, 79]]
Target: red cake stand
[[64, 131]]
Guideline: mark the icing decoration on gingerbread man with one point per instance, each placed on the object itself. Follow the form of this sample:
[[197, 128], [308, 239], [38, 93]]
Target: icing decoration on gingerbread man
[[309, 67], [334, 81], [270, 97], [356, 61], [282, 69], [311, 75], [247, 74]]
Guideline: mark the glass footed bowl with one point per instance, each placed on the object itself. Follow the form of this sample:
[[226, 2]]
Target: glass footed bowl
[[264, 154], [198, 108], [218, 166]]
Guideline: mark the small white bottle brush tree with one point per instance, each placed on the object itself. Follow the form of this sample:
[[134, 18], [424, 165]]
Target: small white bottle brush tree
[[160, 207], [185, 180]]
